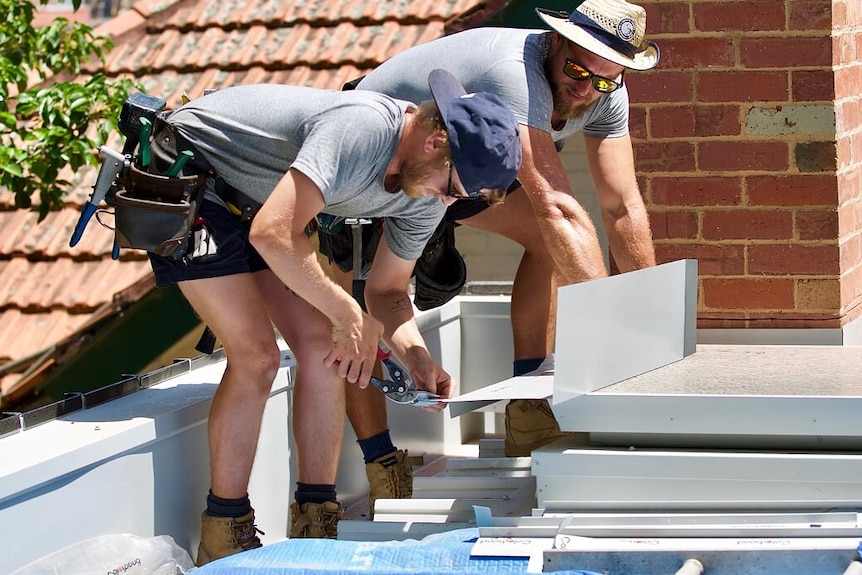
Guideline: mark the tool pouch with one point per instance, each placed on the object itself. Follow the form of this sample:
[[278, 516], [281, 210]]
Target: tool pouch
[[161, 188], [336, 242], [155, 213], [440, 271]]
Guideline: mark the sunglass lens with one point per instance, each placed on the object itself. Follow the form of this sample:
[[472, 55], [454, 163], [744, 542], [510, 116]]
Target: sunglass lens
[[604, 85], [575, 72]]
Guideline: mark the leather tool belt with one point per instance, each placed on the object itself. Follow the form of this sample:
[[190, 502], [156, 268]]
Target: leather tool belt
[[156, 213], [237, 202]]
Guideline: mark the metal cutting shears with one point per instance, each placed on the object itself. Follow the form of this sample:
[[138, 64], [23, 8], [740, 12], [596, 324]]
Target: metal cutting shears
[[400, 388]]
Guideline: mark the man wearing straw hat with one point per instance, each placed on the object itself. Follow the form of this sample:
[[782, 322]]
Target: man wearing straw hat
[[557, 84]]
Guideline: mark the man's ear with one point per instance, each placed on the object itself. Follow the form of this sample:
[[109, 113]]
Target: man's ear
[[436, 140]]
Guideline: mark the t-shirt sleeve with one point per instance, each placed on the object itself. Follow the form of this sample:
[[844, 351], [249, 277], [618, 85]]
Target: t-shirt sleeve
[[407, 236], [333, 149]]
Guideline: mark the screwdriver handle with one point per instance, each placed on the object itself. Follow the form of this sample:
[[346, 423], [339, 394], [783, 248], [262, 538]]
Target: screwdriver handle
[[179, 163], [146, 132]]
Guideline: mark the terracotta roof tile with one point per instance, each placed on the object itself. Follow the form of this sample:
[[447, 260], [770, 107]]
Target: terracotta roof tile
[[48, 290], [303, 44], [32, 333], [66, 284], [128, 20]]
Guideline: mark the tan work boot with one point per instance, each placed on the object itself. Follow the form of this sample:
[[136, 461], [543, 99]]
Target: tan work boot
[[530, 424], [389, 477], [315, 520], [223, 536]]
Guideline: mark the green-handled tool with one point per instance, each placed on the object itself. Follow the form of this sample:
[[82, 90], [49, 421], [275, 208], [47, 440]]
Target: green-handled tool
[[146, 132], [178, 164]]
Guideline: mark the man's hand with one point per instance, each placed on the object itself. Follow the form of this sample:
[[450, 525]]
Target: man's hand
[[429, 376], [354, 348]]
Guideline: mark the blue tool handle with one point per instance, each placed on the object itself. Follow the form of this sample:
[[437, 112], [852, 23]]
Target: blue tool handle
[[115, 251], [112, 165], [83, 220]]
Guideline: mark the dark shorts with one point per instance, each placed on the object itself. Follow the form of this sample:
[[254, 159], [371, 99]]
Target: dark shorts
[[234, 253]]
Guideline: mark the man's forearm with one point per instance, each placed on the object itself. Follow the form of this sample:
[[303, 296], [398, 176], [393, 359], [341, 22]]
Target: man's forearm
[[630, 240], [571, 239], [566, 227], [395, 311]]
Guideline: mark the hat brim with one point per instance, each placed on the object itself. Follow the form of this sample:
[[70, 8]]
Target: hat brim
[[643, 60], [444, 86]]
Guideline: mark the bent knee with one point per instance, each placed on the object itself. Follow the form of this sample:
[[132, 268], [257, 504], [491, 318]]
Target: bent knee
[[259, 365]]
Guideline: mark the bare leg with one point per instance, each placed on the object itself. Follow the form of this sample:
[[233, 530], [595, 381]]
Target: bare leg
[[533, 291], [529, 423], [366, 408], [231, 306], [318, 395], [389, 475]]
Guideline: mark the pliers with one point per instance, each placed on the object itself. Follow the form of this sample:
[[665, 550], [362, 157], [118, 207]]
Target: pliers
[[400, 388]]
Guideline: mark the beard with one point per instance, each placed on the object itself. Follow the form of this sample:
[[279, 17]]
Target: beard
[[564, 108], [414, 175]]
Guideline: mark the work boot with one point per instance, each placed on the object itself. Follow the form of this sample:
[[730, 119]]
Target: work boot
[[389, 477], [315, 520], [530, 424], [223, 536]]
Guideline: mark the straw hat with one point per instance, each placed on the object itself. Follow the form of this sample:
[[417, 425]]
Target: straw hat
[[612, 29]]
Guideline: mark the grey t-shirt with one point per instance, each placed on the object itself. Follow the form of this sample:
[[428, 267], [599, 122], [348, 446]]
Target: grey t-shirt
[[343, 141], [508, 62]]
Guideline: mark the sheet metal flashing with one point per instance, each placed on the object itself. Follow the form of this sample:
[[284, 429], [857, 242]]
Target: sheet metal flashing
[[768, 397]]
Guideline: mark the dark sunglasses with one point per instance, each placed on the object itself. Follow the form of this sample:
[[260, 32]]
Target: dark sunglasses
[[577, 72]]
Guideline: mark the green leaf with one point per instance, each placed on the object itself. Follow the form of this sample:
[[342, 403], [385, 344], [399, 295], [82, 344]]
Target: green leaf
[[45, 130], [13, 169]]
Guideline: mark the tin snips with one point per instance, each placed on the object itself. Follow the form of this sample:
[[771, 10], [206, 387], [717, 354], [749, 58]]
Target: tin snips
[[400, 388]]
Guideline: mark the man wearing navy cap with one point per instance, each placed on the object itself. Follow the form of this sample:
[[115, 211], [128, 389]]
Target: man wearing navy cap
[[294, 152], [557, 84]]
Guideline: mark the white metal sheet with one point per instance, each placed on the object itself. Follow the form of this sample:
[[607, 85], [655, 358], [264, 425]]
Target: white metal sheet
[[137, 464], [614, 328], [523, 387], [765, 396], [651, 558], [656, 479]]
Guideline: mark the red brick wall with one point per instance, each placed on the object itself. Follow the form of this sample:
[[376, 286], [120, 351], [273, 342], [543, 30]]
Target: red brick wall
[[748, 142]]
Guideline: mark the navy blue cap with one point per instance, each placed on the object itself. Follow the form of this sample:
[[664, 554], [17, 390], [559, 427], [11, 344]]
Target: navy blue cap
[[483, 134]]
